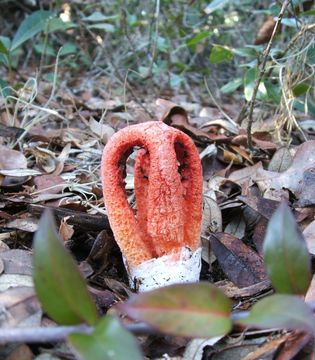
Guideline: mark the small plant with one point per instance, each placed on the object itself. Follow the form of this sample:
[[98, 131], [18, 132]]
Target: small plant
[[191, 310]]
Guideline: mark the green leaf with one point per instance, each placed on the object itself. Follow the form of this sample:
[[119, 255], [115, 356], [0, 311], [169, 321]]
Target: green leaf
[[281, 311], [300, 89], [273, 92], [286, 255], [220, 53], [67, 49], [245, 52], [176, 80], [3, 48], [249, 82], [162, 44], [6, 43], [197, 38], [32, 25], [5, 89], [231, 86], [110, 340], [215, 5], [58, 282], [310, 104], [98, 16], [309, 12], [193, 310], [48, 49], [103, 26], [49, 77], [56, 24]]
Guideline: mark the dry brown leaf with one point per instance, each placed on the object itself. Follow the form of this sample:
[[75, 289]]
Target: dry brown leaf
[[49, 184], [268, 348], [17, 261], [11, 159], [294, 344], [174, 115], [28, 224], [19, 306], [281, 160], [45, 159], [239, 262], [232, 291], [247, 174], [13, 280], [21, 351], [239, 150], [299, 178], [211, 223], [229, 157], [65, 230], [3, 246], [103, 131]]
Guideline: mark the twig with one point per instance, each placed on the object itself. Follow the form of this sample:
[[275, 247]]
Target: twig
[[262, 73], [57, 333], [60, 333]]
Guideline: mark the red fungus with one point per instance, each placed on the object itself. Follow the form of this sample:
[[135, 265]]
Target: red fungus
[[168, 189]]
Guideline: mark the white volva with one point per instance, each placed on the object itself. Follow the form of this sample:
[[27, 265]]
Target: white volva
[[165, 270]]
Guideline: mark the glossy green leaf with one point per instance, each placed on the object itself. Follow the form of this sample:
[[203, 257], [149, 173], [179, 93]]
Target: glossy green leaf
[[220, 53], [215, 5], [58, 282], [231, 86], [198, 38], [193, 310], [110, 340], [286, 255], [281, 311], [32, 25], [300, 89], [249, 82]]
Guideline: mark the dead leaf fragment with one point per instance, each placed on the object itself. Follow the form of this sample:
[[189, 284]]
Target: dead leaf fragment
[[281, 160], [17, 261], [65, 230], [104, 131], [21, 352], [309, 235], [11, 159], [18, 306], [240, 263], [49, 183]]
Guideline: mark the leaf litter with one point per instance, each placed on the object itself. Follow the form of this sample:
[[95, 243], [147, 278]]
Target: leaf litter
[[57, 167]]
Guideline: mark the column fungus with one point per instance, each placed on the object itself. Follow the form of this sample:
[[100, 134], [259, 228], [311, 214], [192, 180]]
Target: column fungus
[[160, 239]]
